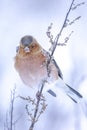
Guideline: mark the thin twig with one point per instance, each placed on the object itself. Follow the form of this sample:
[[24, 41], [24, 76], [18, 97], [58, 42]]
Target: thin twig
[[10, 123], [12, 108], [74, 7], [63, 26], [37, 106], [54, 43]]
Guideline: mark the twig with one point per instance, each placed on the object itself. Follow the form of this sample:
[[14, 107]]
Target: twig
[[50, 36], [74, 7], [10, 123], [12, 107], [54, 43], [56, 40], [37, 106], [65, 40], [61, 30], [77, 18]]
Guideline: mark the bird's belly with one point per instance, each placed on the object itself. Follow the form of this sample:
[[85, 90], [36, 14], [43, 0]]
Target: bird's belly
[[33, 77]]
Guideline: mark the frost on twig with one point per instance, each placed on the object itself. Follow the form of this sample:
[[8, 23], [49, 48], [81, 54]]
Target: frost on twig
[[10, 123], [35, 108], [66, 23], [77, 5], [65, 40], [74, 20], [49, 34]]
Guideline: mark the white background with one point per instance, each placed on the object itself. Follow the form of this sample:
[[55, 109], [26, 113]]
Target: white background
[[32, 17]]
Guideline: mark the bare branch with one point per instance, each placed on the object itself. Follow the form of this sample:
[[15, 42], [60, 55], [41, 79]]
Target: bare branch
[[77, 18], [33, 117], [37, 106], [49, 34], [10, 123], [12, 107], [29, 99], [56, 40], [75, 6], [65, 40], [65, 24]]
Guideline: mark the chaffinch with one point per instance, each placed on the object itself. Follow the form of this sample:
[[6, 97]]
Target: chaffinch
[[31, 64]]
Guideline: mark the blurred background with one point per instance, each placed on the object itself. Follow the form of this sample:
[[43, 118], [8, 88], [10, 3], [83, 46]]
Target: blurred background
[[32, 17]]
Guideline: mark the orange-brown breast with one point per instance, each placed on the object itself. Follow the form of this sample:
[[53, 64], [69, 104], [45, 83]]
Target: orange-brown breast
[[31, 67]]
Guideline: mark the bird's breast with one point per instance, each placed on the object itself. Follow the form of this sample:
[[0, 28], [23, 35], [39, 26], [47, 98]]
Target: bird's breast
[[32, 69]]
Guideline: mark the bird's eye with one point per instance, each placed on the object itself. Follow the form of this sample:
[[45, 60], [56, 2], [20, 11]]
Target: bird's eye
[[32, 46], [17, 48]]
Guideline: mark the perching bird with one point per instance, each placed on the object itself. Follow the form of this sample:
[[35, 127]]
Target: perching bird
[[31, 64]]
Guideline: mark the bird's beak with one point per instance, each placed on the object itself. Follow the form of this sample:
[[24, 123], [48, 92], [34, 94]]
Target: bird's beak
[[26, 49]]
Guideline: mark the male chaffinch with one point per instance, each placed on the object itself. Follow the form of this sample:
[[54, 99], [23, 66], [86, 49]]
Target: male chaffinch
[[31, 64]]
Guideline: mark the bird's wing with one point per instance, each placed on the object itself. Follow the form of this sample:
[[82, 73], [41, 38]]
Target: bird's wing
[[54, 62], [73, 94], [58, 69]]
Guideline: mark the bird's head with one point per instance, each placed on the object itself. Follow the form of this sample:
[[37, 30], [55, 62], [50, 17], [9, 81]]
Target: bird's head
[[28, 45]]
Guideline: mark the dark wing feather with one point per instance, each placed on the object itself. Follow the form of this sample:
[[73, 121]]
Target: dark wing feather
[[58, 69], [54, 62]]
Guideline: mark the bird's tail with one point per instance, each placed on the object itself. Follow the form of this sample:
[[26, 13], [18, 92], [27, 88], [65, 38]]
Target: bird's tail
[[73, 94], [70, 92]]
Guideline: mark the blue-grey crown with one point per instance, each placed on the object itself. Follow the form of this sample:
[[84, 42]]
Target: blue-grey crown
[[26, 40]]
